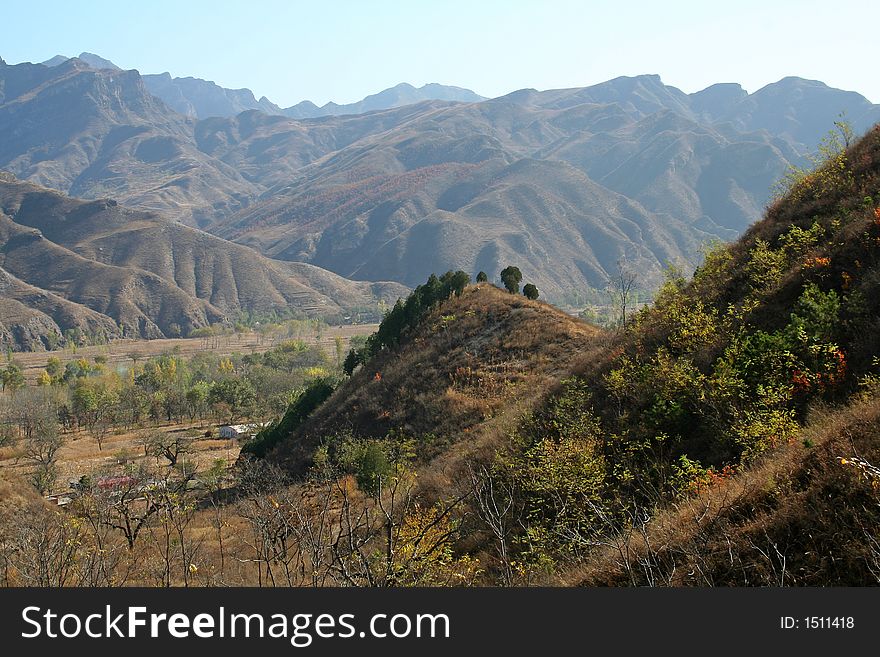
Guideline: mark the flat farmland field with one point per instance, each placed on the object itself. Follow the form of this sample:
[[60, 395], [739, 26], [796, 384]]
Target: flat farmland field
[[121, 352]]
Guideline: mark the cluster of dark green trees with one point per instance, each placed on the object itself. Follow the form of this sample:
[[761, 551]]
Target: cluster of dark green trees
[[313, 396], [511, 277], [406, 314]]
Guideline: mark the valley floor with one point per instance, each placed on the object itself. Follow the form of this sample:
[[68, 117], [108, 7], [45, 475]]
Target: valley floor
[[123, 352]]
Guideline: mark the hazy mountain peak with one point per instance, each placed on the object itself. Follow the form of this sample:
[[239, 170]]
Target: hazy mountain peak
[[96, 61], [201, 99], [396, 96], [88, 58], [653, 78], [717, 99], [721, 88], [798, 81], [57, 60]]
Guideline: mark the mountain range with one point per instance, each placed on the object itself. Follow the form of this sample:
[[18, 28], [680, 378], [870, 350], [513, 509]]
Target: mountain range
[[110, 271], [202, 99], [567, 184]]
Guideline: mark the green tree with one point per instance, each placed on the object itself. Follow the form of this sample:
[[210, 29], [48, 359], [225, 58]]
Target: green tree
[[197, 399], [482, 278], [530, 291], [94, 404], [312, 397], [340, 349], [372, 467], [511, 277], [11, 378], [76, 369], [53, 366], [351, 362], [236, 395], [453, 283], [133, 403], [52, 340]]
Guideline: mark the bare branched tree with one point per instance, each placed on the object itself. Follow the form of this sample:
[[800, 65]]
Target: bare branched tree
[[41, 452], [168, 445], [621, 290], [495, 503]]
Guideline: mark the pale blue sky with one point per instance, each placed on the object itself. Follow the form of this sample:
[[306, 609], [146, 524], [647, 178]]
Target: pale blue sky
[[345, 49]]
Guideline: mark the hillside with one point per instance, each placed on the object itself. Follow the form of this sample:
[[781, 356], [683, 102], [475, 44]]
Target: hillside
[[470, 368], [783, 486], [743, 406], [496, 180], [726, 436], [628, 170], [96, 266], [99, 133], [29, 316]]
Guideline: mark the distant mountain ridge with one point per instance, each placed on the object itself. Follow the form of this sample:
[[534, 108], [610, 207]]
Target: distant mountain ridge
[[397, 96], [202, 99], [93, 60], [564, 183]]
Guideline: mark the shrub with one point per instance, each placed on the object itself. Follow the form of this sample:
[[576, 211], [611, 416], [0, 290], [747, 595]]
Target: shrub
[[765, 266], [372, 468], [267, 439], [406, 314], [352, 360], [511, 277]]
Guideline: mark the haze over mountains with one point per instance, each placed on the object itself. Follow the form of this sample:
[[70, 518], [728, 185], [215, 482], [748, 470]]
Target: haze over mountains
[[563, 183], [202, 99]]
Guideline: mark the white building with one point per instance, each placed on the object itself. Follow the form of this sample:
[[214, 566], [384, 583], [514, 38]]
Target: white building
[[240, 431]]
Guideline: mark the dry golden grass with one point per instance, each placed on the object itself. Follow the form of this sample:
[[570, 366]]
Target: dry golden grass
[[80, 454], [801, 516], [470, 370]]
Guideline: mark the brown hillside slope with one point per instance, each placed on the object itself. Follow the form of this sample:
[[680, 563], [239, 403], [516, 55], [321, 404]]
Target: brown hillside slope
[[727, 436], [473, 365], [140, 301], [147, 273], [29, 314]]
